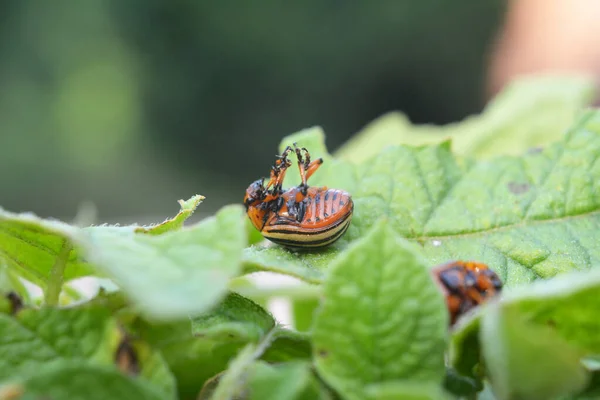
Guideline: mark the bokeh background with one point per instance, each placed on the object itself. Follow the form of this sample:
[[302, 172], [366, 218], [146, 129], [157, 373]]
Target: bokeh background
[[132, 105]]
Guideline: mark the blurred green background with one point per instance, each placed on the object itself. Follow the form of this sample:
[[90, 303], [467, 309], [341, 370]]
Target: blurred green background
[[134, 104]]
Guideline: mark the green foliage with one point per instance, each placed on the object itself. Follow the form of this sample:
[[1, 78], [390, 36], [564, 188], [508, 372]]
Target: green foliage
[[237, 318], [283, 382], [530, 112], [550, 322], [433, 199], [168, 275], [508, 343], [187, 209], [370, 320], [32, 248], [85, 382], [383, 317], [40, 346]]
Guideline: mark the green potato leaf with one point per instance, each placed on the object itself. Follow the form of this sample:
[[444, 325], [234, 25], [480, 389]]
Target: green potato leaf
[[45, 342], [13, 294], [199, 349], [288, 345], [406, 391], [254, 235], [460, 385], [382, 319], [49, 253], [278, 345], [532, 111], [36, 248], [76, 380], [527, 361], [175, 274], [52, 335], [527, 217], [235, 318], [154, 368], [187, 209], [192, 360], [231, 383], [308, 266], [289, 381], [304, 311], [566, 306]]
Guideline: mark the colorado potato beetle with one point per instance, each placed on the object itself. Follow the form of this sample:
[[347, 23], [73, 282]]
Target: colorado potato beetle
[[466, 285], [300, 217]]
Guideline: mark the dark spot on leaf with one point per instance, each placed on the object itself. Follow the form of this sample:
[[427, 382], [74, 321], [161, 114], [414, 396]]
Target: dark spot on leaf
[[126, 358], [231, 335], [518, 188], [16, 302], [323, 353], [551, 323], [535, 150]]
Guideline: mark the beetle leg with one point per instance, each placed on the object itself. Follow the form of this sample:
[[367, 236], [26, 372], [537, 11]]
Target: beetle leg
[[306, 166], [278, 170], [277, 187], [301, 167], [313, 166]]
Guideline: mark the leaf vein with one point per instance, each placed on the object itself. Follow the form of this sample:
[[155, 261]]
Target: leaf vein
[[521, 224]]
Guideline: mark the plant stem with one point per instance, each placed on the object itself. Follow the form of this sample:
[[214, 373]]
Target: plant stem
[[55, 280], [232, 380]]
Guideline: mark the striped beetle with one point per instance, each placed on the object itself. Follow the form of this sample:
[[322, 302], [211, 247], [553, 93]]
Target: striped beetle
[[300, 217], [466, 284]]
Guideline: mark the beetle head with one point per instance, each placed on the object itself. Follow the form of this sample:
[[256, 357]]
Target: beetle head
[[255, 193]]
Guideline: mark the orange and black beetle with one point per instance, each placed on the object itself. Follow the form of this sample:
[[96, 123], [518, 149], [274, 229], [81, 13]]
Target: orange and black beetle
[[466, 285], [303, 216]]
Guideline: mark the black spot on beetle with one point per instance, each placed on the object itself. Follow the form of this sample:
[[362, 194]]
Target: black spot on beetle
[[518, 188]]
